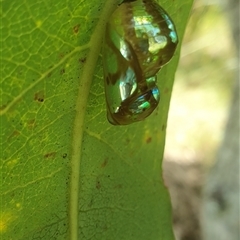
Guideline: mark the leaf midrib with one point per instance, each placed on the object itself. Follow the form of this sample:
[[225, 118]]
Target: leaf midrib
[[78, 124]]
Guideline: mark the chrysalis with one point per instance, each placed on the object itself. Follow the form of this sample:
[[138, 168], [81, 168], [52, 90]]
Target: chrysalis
[[140, 38]]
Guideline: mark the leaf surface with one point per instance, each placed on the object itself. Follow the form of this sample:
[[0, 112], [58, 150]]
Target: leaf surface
[[66, 173]]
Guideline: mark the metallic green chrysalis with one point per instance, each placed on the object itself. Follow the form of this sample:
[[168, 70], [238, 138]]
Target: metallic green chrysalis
[[140, 38]]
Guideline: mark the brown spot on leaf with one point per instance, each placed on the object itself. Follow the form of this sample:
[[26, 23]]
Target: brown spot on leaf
[[50, 155], [15, 133], [61, 55], [82, 60], [31, 123], [62, 71], [39, 96], [49, 75], [148, 140], [104, 164], [76, 28], [166, 90], [3, 107], [98, 184]]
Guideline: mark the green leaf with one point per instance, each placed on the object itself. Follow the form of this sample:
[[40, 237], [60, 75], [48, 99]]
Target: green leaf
[[66, 173]]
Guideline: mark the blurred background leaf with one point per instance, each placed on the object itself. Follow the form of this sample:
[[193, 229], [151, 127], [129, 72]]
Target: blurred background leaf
[[203, 84], [199, 109]]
